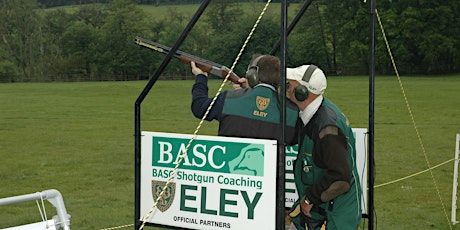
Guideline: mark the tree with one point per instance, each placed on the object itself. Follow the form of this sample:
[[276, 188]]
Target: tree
[[96, 40], [115, 46], [425, 34], [331, 35], [228, 31], [20, 35], [53, 63], [306, 41], [8, 71]]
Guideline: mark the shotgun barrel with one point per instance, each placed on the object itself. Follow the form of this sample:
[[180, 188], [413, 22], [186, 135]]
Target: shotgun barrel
[[206, 65]]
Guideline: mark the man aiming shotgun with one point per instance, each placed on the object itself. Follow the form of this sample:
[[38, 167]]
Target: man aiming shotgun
[[205, 65], [252, 112]]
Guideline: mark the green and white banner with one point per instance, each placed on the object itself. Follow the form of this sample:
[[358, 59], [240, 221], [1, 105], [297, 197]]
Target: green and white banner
[[221, 183]]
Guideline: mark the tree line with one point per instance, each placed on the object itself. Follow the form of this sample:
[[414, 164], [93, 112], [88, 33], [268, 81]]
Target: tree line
[[54, 3], [96, 41]]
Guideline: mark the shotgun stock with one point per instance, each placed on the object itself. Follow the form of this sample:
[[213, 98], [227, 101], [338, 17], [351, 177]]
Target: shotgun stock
[[205, 65]]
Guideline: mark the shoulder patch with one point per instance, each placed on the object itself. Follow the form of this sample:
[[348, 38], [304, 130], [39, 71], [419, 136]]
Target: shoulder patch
[[332, 130]]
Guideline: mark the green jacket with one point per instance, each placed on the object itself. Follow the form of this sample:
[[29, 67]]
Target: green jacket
[[326, 160]]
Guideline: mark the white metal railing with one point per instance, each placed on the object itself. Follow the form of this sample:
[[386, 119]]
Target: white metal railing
[[54, 197], [455, 182]]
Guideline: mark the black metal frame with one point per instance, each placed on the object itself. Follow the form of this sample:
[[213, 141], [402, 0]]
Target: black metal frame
[[281, 46]]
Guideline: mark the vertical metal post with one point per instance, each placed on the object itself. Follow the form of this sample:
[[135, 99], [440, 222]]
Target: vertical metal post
[[371, 115], [281, 181]]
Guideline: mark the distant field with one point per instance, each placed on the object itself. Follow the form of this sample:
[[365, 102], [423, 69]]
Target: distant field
[[78, 138]]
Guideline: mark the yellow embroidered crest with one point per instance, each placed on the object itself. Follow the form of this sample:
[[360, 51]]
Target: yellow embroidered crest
[[167, 197], [262, 102]]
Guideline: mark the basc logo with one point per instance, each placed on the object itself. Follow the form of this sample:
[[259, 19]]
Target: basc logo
[[167, 198]]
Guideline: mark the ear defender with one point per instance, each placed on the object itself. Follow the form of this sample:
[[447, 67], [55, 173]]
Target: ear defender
[[252, 74], [301, 91]]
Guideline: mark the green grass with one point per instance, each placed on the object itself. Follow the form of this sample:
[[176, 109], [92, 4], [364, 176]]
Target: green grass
[[78, 138]]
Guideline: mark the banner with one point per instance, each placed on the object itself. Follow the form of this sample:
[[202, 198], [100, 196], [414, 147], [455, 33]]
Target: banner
[[221, 183]]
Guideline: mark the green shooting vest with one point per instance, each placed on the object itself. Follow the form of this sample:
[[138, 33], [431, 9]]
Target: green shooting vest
[[255, 113], [307, 173]]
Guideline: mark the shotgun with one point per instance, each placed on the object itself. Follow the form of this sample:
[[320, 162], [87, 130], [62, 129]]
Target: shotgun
[[205, 65]]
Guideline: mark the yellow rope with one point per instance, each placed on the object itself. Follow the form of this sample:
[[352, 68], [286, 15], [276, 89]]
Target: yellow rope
[[414, 174], [173, 174], [118, 227], [412, 117]]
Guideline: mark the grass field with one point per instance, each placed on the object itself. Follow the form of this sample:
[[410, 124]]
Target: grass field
[[78, 138]]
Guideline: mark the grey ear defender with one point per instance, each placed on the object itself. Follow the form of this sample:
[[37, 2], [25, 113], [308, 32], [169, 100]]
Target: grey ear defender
[[252, 74], [301, 91]]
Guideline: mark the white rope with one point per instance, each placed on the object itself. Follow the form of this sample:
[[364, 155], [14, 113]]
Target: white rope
[[40, 210], [42, 214]]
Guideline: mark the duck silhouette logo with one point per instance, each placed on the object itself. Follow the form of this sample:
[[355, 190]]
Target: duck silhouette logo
[[249, 162]]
